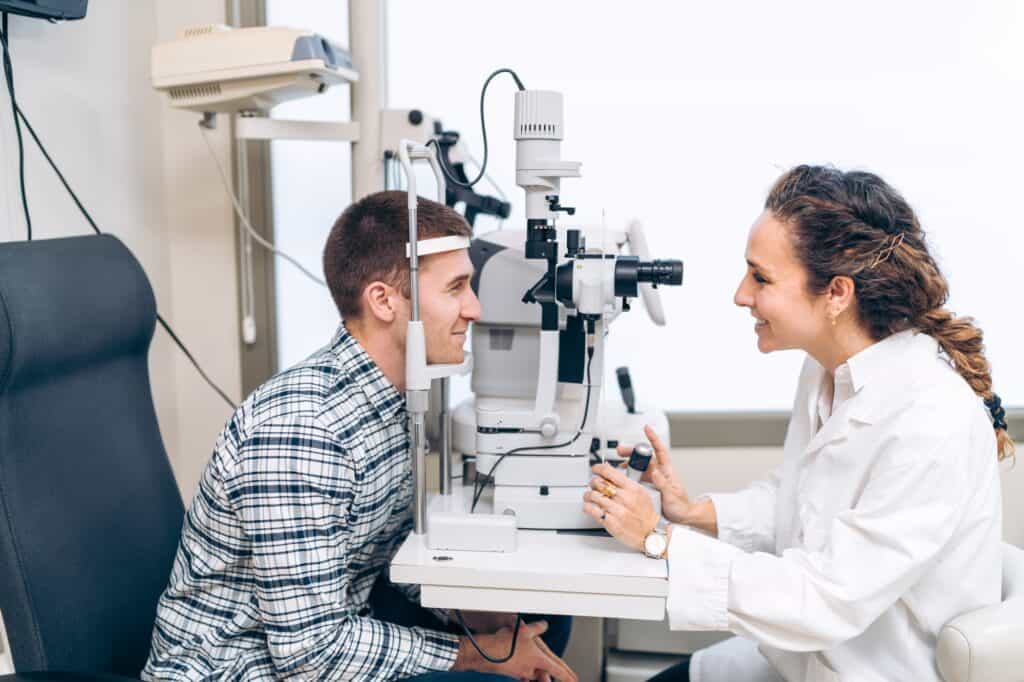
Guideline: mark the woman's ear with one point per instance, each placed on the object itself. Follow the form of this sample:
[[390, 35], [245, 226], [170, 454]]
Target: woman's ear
[[840, 293], [378, 301]]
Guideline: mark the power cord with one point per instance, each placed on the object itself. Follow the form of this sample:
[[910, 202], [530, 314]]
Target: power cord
[[18, 113], [448, 174], [478, 488], [245, 220], [9, 74], [476, 645]]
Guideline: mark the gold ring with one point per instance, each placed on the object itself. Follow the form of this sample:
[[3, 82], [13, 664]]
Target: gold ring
[[609, 490]]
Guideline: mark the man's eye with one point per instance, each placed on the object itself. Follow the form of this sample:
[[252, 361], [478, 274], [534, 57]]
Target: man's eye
[[759, 279]]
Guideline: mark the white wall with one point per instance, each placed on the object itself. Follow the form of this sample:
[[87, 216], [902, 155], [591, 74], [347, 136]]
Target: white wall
[[143, 173]]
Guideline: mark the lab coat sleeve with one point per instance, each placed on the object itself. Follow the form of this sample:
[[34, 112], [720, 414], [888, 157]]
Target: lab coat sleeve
[[873, 553], [746, 518]]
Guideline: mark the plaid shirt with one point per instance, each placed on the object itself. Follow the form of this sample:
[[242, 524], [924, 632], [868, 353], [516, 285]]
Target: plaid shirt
[[304, 502]]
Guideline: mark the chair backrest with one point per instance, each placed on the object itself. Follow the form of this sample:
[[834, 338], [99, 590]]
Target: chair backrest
[[90, 515], [984, 645]]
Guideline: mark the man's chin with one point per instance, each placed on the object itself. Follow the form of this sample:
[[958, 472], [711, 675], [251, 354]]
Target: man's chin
[[452, 358]]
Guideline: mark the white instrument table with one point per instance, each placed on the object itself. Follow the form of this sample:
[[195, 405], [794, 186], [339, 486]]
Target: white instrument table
[[551, 572]]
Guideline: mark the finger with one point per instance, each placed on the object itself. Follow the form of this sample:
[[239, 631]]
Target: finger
[[534, 629], [658, 479], [624, 451], [659, 446], [595, 498], [564, 672], [612, 474], [593, 511], [547, 662]]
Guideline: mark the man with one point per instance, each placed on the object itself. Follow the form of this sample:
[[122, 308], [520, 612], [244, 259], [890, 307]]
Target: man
[[281, 570]]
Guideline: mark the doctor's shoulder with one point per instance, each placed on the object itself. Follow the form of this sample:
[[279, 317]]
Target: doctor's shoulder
[[938, 417]]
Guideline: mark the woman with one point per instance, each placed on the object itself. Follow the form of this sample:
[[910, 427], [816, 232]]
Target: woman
[[884, 520]]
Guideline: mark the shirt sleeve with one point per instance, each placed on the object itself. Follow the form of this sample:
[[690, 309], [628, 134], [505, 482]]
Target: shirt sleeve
[[746, 519], [872, 554], [292, 489]]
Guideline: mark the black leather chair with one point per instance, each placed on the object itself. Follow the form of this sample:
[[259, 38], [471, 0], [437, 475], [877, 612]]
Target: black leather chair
[[90, 515]]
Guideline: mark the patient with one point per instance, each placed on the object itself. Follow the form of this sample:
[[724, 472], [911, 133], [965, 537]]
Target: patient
[[281, 571]]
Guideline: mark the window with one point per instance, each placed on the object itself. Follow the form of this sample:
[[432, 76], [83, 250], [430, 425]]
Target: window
[[312, 184], [684, 113]]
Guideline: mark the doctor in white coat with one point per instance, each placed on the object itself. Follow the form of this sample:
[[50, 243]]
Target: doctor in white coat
[[884, 520]]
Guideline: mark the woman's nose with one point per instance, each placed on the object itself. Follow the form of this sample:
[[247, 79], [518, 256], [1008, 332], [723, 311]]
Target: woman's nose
[[742, 297]]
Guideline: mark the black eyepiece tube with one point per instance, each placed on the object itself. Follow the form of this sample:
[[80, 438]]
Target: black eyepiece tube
[[661, 272]]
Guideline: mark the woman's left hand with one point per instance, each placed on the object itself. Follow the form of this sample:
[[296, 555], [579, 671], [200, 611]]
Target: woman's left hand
[[622, 506]]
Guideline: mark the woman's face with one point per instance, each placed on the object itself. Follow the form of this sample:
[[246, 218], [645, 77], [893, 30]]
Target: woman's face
[[774, 288]]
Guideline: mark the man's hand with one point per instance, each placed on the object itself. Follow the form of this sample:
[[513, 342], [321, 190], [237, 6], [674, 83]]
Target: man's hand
[[675, 503], [488, 622], [532, 660]]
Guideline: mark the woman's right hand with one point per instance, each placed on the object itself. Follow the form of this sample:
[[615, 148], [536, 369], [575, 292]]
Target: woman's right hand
[[675, 503]]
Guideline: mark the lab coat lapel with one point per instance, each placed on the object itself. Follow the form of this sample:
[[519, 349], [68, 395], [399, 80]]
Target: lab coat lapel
[[836, 428]]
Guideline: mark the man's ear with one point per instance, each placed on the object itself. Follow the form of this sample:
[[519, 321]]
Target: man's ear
[[379, 301]]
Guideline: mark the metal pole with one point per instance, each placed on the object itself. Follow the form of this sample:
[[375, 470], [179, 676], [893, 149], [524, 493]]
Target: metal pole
[[416, 400], [367, 38], [445, 455]]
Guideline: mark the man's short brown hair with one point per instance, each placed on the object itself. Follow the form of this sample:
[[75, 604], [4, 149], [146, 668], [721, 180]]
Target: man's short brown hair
[[367, 244]]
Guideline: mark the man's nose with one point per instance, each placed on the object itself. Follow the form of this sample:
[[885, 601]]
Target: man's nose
[[472, 310]]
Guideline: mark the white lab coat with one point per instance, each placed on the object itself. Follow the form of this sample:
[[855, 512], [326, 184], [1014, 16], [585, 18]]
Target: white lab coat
[[876, 530]]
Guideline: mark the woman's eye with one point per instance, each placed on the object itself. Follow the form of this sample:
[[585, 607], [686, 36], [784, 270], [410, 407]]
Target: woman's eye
[[759, 279]]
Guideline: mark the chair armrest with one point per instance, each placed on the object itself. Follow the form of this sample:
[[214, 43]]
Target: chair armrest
[[984, 645]]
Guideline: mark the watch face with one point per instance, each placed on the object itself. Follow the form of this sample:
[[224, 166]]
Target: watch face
[[654, 544]]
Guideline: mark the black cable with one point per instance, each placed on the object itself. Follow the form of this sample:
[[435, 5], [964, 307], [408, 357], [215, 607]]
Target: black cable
[[483, 128], [92, 223], [489, 476], [472, 639], [9, 74], [53, 165], [170, 332]]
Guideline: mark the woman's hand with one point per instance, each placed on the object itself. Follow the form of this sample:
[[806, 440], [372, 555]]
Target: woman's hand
[[675, 503], [622, 506]]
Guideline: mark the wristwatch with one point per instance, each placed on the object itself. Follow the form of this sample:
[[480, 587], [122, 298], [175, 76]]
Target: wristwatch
[[656, 544]]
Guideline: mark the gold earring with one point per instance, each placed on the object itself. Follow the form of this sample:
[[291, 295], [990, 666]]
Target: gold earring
[[833, 317]]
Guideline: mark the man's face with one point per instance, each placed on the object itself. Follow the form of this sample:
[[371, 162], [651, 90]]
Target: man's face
[[447, 304]]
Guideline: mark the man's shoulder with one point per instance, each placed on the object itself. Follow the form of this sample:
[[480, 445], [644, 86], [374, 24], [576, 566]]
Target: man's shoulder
[[301, 396]]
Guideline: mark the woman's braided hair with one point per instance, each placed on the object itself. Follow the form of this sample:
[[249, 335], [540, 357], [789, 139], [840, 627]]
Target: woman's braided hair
[[856, 225]]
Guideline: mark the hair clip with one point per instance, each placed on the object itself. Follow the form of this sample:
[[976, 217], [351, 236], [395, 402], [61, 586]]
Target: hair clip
[[886, 251]]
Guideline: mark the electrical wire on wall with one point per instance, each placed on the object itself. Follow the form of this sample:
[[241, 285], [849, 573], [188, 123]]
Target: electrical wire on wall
[[245, 220], [9, 74]]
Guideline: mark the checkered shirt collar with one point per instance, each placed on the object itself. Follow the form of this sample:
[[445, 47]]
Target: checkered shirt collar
[[360, 368]]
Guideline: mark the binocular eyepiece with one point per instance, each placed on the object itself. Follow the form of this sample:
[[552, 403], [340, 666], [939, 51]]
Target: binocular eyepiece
[[630, 271]]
